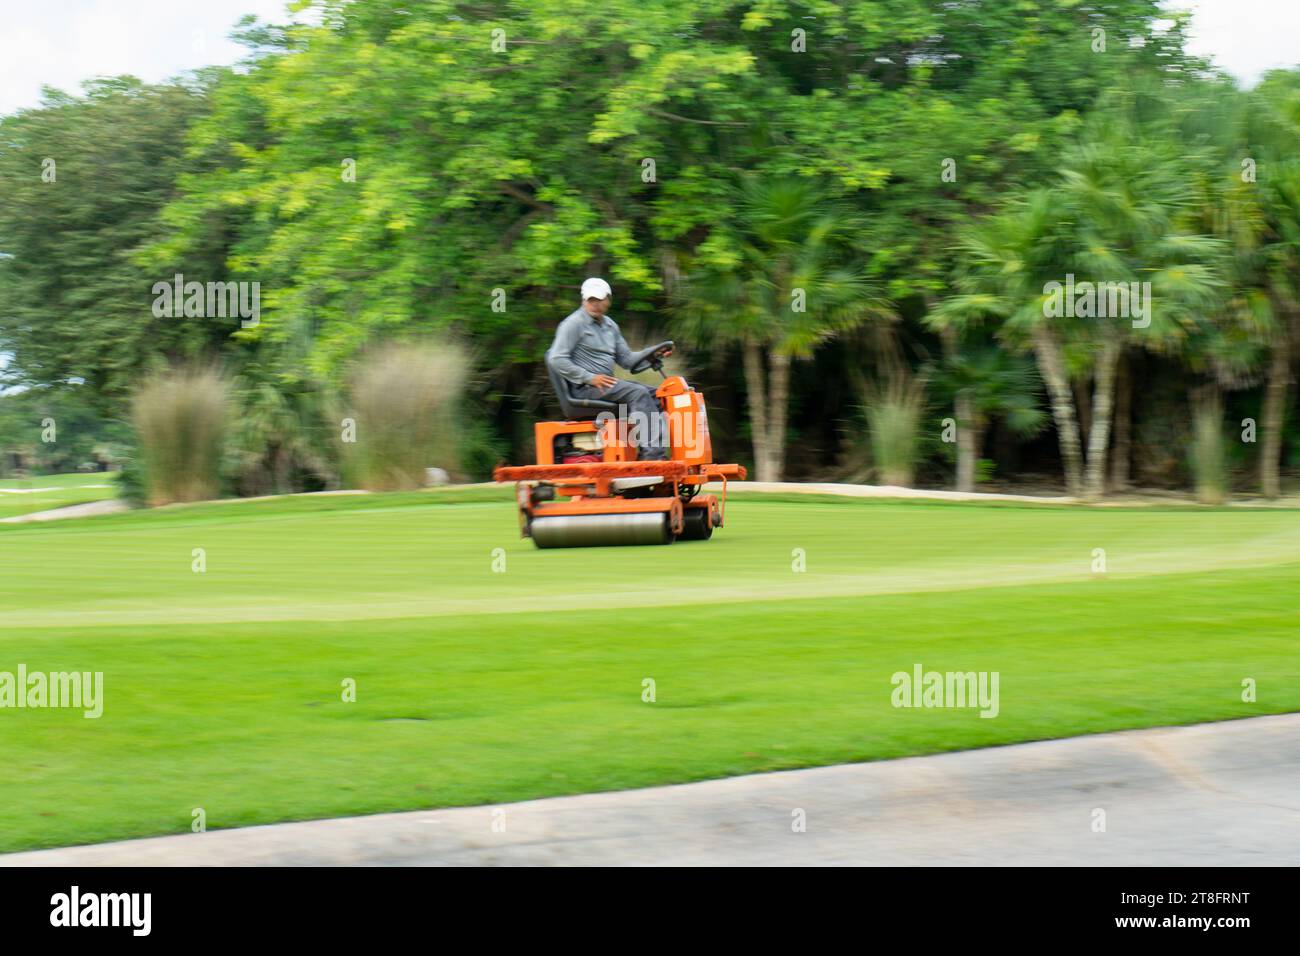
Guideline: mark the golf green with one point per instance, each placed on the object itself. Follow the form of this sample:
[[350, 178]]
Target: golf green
[[229, 634]]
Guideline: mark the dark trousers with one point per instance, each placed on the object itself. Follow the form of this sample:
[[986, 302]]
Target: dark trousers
[[648, 417]]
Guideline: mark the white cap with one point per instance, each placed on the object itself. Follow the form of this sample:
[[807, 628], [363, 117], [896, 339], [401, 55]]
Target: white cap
[[595, 288]]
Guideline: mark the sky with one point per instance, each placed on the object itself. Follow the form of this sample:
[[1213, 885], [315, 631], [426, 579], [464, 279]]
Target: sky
[[59, 43], [1245, 37], [62, 42]]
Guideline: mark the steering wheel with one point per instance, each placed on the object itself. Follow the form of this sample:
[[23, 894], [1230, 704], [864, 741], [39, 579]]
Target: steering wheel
[[653, 359]]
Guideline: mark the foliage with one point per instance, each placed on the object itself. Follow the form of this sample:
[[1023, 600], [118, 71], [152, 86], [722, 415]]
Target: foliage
[[278, 444], [77, 307], [1002, 387], [1206, 453], [182, 418], [48, 430], [404, 399], [397, 169], [894, 415]]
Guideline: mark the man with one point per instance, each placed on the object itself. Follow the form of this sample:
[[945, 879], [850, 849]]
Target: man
[[587, 346]]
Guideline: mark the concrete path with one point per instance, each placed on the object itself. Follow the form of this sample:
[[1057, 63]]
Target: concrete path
[[87, 509], [1211, 794], [881, 491]]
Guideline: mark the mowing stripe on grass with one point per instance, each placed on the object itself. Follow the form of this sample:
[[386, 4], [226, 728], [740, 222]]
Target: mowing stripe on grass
[[475, 686]]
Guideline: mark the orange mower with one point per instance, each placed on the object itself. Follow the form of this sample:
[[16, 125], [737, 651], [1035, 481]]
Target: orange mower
[[589, 489]]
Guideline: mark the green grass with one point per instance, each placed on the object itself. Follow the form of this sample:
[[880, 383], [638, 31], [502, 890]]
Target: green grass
[[223, 688], [25, 495]]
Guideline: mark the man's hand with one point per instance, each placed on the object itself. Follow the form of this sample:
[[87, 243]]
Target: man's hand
[[603, 382]]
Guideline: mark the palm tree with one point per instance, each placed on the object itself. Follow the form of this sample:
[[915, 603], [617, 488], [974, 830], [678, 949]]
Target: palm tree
[[277, 440], [1118, 215], [778, 281], [1250, 198], [1130, 197], [988, 384], [1006, 261], [1272, 205]]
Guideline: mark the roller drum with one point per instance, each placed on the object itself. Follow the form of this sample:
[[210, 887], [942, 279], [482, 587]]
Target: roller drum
[[582, 531], [696, 526]]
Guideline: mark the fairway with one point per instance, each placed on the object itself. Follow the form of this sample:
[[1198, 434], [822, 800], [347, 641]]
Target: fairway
[[19, 496], [487, 675]]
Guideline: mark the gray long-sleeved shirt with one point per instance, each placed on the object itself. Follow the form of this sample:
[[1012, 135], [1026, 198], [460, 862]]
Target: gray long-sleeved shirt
[[585, 347]]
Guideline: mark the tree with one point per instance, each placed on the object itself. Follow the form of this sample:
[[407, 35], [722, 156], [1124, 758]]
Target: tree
[[1006, 261], [987, 384], [777, 282], [1269, 209], [404, 168], [84, 181], [418, 166], [1117, 220]]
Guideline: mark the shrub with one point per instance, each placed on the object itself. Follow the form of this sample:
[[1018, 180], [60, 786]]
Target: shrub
[[130, 483], [894, 419], [181, 419], [280, 444], [1207, 453], [403, 401]]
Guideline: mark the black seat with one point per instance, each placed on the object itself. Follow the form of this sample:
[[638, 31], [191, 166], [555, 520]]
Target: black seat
[[573, 408]]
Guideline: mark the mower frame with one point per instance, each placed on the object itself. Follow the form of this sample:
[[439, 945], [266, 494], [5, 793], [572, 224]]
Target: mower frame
[[553, 488]]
